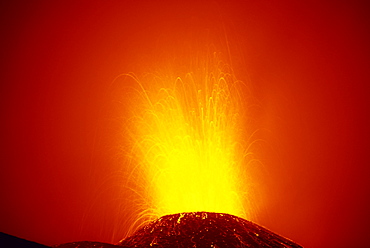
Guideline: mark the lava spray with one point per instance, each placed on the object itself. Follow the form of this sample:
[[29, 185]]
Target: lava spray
[[188, 131]]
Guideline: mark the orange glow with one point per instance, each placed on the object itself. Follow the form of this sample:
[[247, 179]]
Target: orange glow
[[188, 140], [65, 175]]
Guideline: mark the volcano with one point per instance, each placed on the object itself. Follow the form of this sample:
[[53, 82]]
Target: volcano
[[204, 229], [193, 229]]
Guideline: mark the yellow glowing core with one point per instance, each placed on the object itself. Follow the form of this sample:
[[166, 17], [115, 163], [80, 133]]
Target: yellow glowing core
[[187, 132]]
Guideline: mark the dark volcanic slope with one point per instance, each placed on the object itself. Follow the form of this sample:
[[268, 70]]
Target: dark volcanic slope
[[86, 244], [9, 241], [203, 229]]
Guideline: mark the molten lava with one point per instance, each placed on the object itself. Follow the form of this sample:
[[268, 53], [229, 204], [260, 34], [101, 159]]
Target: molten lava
[[188, 140]]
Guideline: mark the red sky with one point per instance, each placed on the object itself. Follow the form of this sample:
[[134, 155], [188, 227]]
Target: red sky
[[307, 65]]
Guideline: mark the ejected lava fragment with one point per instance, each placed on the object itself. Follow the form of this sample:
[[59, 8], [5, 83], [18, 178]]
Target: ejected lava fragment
[[204, 229]]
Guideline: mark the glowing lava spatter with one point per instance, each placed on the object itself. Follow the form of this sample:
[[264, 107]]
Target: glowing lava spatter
[[188, 140]]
